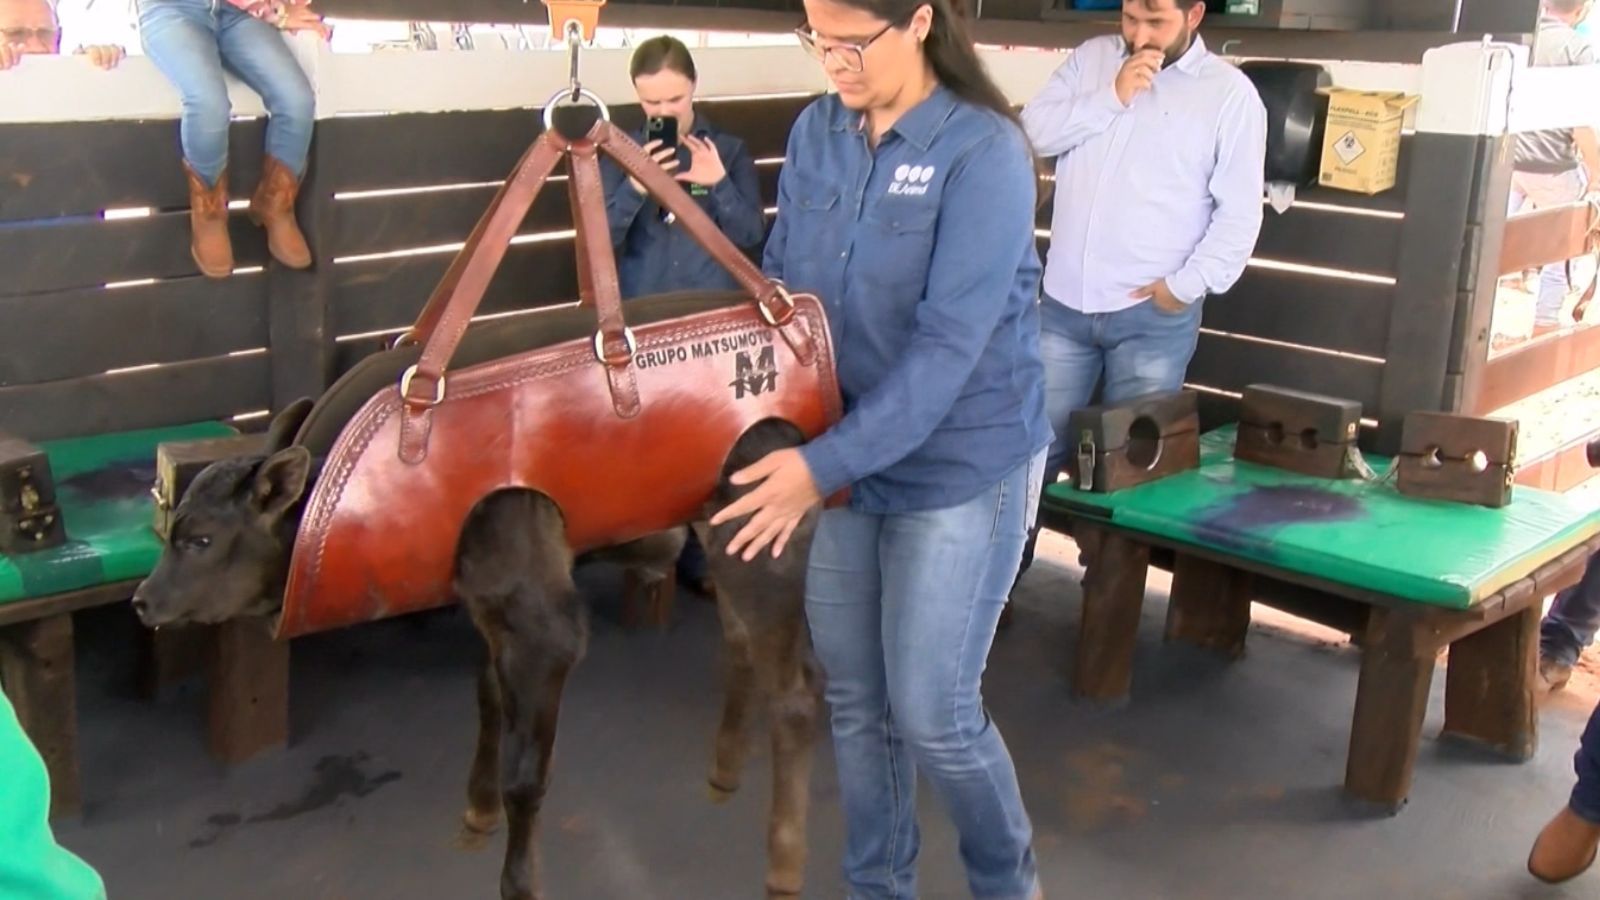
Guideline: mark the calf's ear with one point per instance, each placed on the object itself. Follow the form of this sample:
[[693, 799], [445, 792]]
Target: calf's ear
[[280, 481]]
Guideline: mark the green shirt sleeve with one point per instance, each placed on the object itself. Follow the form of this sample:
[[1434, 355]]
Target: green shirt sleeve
[[32, 865]]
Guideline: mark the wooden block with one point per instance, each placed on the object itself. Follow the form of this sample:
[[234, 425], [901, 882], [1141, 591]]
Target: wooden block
[[1209, 605], [37, 671], [1489, 686], [1391, 700], [1113, 595], [1295, 430], [30, 520], [178, 462], [1464, 459], [249, 690], [1141, 440]]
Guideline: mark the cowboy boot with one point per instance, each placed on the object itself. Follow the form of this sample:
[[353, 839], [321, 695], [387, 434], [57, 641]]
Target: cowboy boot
[[272, 207], [1565, 848], [208, 224]]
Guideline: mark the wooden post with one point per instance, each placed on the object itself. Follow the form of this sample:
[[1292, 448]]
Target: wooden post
[[1113, 594], [37, 672], [171, 655], [249, 700], [1391, 700], [648, 602], [1489, 686], [1210, 605], [300, 335]]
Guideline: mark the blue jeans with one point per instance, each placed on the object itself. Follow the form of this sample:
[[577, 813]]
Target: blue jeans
[[902, 610], [1572, 621], [1139, 350], [192, 42], [1586, 793]]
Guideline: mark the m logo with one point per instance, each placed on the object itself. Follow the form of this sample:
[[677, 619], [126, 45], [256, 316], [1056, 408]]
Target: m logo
[[755, 377]]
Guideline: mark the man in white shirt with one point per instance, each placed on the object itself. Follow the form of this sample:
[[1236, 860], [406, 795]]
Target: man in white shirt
[[32, 27], [1160, 153]]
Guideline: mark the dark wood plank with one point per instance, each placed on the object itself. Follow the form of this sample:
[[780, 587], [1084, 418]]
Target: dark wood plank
[[381, 224], [1489, 686], [91, 252], [299, 303], [1209, 606], [1113, 594], [762, 123], [389, 293], [1331, 240], [196, 391], [1391, 700], [1536, 365], [71, 601], [80, 168], [249, 691], [1434, 294], [1230, 363], [37, 672], [1297, 308], [89, 331], [171, 655]]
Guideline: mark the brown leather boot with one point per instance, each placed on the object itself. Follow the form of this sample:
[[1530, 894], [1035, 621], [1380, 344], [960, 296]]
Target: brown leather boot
[[272, 207], [1565, 848], [208, 225]]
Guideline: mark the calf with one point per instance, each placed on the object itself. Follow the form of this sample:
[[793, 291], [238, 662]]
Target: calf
[[228, 556]]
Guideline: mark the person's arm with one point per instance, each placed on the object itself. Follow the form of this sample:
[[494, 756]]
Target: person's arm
[[984, 229], [1069, 110], [1237, 184], [623, 203], [1584, 139], [778, 239], [736, 199]]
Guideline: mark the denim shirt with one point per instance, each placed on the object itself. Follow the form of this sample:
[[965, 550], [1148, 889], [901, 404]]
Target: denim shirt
[[923, 255], [654, 257]]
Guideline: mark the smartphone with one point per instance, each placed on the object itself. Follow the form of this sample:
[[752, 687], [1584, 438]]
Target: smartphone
[[663, 129]]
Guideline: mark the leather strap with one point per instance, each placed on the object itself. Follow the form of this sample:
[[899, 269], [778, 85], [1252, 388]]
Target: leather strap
[[775, 304], [580, 246], [448, 312], [614, 343], [1593, 249]]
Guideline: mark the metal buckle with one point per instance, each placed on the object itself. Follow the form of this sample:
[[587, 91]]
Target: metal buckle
[[567, 93], [627, 338], [788, 314], [405, 389]]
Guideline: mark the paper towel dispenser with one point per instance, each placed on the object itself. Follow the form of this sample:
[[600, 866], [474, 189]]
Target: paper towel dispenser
[[1296, 117]]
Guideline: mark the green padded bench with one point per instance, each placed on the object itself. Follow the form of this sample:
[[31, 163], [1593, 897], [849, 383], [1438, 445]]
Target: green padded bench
[[1406, 577], [103, 487]]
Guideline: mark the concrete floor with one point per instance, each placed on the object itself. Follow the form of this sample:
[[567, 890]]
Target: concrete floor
[[1217, 781]]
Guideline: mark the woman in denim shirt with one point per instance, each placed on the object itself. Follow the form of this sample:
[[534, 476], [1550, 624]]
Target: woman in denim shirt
[[907, 205]]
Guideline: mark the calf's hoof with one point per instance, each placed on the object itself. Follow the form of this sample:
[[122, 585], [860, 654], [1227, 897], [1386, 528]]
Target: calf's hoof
[[719, 792]]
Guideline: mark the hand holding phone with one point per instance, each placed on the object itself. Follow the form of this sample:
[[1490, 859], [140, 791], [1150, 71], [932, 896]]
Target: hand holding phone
[[665, 157]]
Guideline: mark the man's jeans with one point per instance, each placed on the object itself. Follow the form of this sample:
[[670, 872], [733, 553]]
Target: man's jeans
[[1139, 350], [1573, 619], [902, 610], [192, 42], [1586, 793], [1544, 191]]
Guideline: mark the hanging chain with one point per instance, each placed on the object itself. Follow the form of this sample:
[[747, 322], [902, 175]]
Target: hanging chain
[[574, 33]]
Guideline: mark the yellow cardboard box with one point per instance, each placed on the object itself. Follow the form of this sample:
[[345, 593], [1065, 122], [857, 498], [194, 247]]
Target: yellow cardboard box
[[1361, 146]]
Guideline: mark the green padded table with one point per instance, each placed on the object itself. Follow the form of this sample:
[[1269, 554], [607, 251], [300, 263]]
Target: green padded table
[[1408, 577], [103, 487], [1361, 533]]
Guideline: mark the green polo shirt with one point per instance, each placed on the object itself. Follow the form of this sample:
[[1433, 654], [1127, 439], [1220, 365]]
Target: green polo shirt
[[32, 865]]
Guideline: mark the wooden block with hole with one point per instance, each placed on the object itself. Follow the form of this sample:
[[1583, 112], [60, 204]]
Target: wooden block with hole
[[1299, 431], [1464, 459], [1131, 443]]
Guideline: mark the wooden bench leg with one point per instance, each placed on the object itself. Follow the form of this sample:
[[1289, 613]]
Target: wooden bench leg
[[1113, 593], [1391, 700], [1489, 686], [169, 656], [249, 690], [1210, 605], [648, 602], [37, 670]]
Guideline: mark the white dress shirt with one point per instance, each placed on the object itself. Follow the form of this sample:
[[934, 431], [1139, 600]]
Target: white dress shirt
[[1169, 187]]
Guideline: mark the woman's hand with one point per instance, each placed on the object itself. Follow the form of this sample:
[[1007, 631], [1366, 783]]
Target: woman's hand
[[665, 157], [299, 17], [784, 495], [705, 166]]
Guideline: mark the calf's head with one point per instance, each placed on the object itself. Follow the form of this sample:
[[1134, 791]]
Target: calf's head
[[232, 538]]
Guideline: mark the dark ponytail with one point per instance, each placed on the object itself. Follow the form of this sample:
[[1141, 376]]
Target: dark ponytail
[[955, 61]]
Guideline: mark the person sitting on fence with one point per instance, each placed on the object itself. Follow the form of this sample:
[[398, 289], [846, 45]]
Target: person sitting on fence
[[193, 42], [652, 256], [31, 27], [1560, 165]]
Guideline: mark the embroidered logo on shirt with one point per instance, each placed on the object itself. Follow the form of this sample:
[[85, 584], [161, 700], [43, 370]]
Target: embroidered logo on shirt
[[911, 181]]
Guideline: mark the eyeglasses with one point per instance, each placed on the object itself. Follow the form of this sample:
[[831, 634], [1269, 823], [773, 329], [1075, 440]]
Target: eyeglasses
[[851, 56], [46, 36]]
